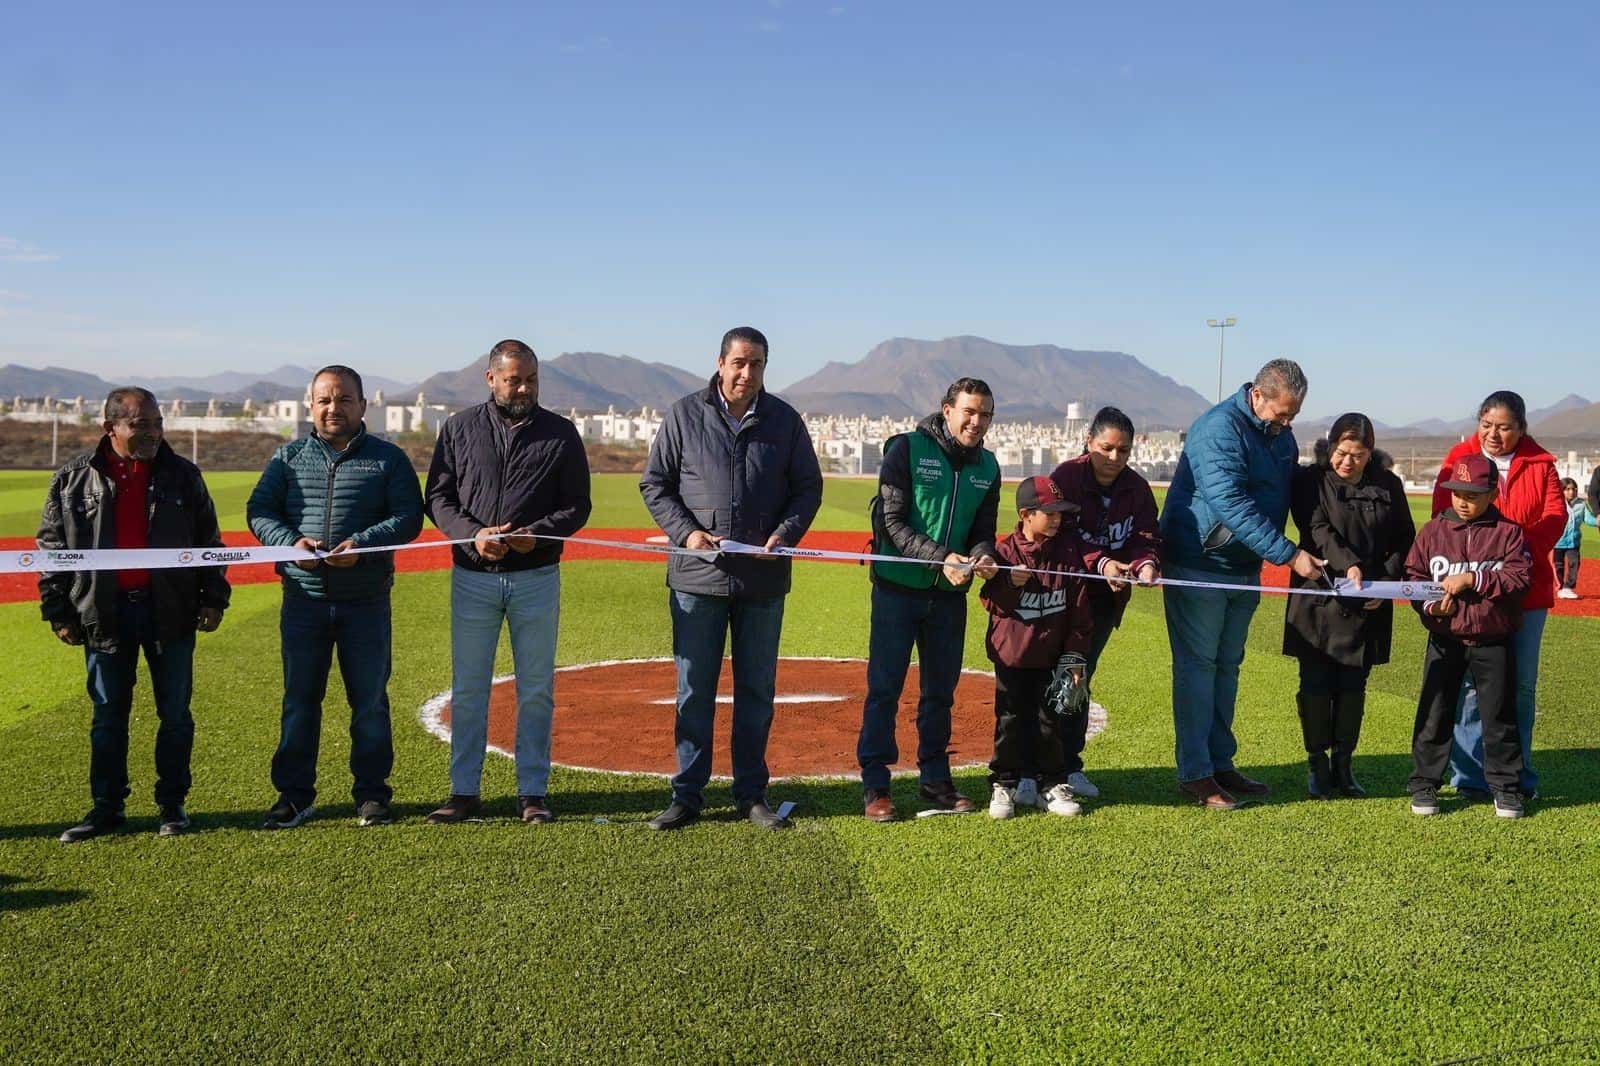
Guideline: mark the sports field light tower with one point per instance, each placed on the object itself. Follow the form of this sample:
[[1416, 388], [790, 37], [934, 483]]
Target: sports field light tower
[[1221, 326]]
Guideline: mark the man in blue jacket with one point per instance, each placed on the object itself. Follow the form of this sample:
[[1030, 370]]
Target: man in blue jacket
[[731, 461], [1224, 514], [335, 490]]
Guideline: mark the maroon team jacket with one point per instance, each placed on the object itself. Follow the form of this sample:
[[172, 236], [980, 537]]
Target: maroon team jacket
[[1117, 523], [1491, 546], [1030, 626]]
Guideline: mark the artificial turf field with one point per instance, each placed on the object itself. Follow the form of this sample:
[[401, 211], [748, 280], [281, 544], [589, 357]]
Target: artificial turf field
[[1145, 931]]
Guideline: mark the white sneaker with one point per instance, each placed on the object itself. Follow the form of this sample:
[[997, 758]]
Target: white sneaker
[[1027, 794], [1001, 805], [1567, 594], [1081, 786], [1059, 801]]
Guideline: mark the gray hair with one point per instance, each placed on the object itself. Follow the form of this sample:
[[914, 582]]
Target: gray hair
[[117, 401], [1282, 376]]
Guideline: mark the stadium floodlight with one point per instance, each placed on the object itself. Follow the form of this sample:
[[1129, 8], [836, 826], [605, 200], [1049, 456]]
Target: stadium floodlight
[[1222, 331]]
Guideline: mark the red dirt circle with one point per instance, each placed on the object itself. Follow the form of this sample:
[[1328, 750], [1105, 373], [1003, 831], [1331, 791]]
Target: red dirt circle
[[617, 716]]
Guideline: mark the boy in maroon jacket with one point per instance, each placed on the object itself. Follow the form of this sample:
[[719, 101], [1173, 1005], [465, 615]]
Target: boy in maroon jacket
[[1035, 619], [1479, 557]]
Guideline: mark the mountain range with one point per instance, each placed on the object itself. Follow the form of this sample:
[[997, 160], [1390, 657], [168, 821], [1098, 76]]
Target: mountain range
[[902, 377]]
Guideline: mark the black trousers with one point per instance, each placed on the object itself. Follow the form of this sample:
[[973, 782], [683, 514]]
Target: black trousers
[[1318, 673], [1026, 734], [1494, 672], [1075, 730]]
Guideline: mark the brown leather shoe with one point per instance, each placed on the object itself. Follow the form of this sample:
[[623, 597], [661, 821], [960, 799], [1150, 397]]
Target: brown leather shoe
[[942, 797], [1208, 794], [880, 808], [535, 810], [1240, 785], [457, 809]]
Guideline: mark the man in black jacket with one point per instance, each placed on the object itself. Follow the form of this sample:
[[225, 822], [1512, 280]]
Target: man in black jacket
[[504, 474], [731, 461], [133, 491]]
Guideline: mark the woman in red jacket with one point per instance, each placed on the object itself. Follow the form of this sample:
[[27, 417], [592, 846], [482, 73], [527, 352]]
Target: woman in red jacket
[[1117, 524], [1529, 495]]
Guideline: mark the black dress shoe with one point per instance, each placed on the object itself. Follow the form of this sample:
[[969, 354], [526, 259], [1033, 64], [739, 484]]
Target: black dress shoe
[[94, 824], [760, 814], [676, 816]]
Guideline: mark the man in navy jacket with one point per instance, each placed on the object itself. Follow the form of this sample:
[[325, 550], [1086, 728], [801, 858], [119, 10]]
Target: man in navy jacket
[[731, 461], [1224, 514]]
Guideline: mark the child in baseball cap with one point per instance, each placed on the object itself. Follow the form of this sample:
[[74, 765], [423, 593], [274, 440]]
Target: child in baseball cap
[[1039, 629], [1479, 557]]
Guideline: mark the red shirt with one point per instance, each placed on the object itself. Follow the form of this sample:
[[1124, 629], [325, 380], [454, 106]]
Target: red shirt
[[132, 516]]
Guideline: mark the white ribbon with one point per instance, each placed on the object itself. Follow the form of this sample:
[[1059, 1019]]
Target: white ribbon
[[49, 560]]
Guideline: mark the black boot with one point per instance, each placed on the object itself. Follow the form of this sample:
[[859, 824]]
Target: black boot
[[1316, 726], [1348, 709]]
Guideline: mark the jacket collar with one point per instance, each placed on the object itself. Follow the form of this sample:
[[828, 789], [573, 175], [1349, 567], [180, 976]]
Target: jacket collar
[[97, 458], [1455, 521], [349, 449], [713, 396], [1241, 400], [958, 453]]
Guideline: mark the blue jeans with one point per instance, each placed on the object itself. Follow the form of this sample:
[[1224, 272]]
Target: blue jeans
[[700, 626], [1466, 753], [110, 683], [935, 623], [1206, 629], [311, 632], [529, 602]]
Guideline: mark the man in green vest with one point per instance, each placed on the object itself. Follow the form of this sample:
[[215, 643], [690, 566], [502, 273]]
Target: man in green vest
[[938, 498]]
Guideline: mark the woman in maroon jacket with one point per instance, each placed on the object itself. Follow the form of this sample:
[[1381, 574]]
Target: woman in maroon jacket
[[1117, 529]]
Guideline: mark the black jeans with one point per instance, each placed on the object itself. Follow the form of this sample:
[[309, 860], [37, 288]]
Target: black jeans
[[1494, 671], [111, 679], [1318, 673], [1567, 562], [1026, 732]]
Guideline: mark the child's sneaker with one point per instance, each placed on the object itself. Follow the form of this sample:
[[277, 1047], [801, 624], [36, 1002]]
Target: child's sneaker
[[1059, 801], [1081, 786], [1508, 805], [1425, 801], [1027, 794], [1001, 805], [1567, 594]]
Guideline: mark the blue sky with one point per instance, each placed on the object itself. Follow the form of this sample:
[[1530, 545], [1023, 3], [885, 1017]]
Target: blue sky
[[1403, 200]]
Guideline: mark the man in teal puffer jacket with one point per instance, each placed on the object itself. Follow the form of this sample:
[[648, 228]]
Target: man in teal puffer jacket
[[336, 490], [1224, 514]]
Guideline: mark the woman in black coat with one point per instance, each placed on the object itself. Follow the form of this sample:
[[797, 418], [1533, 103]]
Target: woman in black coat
[[1351, 510]]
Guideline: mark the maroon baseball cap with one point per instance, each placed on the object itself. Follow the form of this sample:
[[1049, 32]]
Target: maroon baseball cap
[[1473, 473], [1042, 494]]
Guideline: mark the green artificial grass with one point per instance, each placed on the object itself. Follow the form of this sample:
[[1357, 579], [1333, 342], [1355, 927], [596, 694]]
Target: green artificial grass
[[1146, 931]]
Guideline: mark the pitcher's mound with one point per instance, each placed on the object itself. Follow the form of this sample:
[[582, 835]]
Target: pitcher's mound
[[617, 716]]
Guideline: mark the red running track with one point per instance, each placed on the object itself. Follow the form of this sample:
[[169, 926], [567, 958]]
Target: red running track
[[19, 588]]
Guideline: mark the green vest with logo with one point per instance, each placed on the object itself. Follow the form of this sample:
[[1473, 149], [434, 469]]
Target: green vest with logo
[[944, 505]]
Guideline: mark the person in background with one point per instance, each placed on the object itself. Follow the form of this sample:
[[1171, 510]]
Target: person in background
[[1351, 510], [1567, 556], [1529, 494]]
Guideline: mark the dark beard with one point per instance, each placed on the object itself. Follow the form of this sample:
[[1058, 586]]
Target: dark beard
[[514, 412]]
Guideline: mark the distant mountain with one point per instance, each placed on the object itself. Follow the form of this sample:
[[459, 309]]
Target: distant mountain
[[1031, 382], [286, 383], [57, 381], [588, 381], [1570, 422]]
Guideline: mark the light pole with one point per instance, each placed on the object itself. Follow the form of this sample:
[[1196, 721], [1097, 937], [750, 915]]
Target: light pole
[[1221, 326]]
